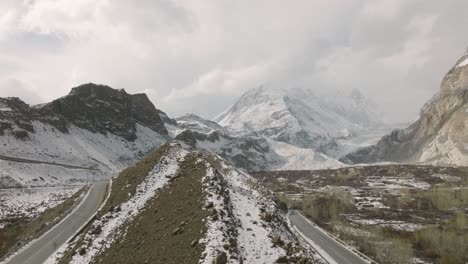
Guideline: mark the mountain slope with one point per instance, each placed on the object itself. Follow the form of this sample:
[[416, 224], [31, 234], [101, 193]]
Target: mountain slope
[[94, 126], [181, 206], [440, 136], [108, 129], [251, 152], [300, 117]]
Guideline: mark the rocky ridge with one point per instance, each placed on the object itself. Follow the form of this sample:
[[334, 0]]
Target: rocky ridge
[[189, 207], [93, 126], [96, 108]]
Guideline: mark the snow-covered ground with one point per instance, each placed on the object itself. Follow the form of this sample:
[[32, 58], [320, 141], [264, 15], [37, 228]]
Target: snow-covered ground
[[398, 183], [364, 138], [108, 153], [30, 202], [254, 240], [396, 225], [297, 158]]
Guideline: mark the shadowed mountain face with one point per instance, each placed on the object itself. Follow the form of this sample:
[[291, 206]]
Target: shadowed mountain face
[[97, 108], [440, 136], [94, 125]]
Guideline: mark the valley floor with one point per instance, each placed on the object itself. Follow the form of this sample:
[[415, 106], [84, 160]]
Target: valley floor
[[393, 213]]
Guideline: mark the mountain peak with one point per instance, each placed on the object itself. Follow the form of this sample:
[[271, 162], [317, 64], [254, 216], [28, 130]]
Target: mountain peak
[[455, 80], [301, 117], [100, 108], [96, 90]]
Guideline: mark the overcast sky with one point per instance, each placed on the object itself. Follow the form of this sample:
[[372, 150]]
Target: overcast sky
[[199, 56]]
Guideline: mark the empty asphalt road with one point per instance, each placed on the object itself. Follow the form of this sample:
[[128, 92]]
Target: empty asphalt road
[[337, 252], [44, 247]]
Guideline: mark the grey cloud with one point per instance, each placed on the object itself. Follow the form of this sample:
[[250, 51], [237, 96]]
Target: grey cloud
[[198, 56]]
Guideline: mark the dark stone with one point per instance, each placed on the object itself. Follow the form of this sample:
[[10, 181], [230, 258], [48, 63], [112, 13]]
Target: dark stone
[[221, 258]]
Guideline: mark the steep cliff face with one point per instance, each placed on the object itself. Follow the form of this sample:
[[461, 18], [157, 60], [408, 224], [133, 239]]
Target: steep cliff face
[[440, 136], [102, 109], [96, 108]]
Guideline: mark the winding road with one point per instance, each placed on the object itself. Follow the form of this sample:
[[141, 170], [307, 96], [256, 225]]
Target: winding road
[[330, 249], [41, 249]]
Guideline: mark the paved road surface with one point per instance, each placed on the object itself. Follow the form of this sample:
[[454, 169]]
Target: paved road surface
[[41, 249], [335, 250]]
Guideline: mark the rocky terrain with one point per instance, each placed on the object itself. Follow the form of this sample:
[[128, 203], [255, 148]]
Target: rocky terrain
[[251, 152], [393, 213], [182, 206], [93, 126], [99, 127], [440, 136]]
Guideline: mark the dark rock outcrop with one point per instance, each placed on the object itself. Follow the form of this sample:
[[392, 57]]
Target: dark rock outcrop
[[246, 152], [97, 108]]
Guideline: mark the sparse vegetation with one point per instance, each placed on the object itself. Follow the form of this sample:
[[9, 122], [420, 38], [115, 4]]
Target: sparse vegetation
[[391, 213], [168, 225]]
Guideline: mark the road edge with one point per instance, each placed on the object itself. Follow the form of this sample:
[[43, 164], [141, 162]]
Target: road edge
[[344, 244], [29, 244], [83, 227]]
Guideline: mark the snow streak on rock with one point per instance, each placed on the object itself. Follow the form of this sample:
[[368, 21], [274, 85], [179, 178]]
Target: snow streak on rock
[[247, 221]]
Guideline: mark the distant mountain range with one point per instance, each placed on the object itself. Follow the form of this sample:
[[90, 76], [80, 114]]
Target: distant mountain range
[[301, 117], [266, 129], [108, 129]]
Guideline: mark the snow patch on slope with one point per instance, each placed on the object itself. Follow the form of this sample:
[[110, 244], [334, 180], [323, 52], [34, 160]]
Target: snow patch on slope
[[108, 153], [247, 210], [245, 200], [31, 202], [253, 239], [297, 158], [463, 63]]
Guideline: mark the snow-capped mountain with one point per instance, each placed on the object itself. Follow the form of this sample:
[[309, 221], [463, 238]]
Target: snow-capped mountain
[[440, 136], [251, 152], [107, 129], [93, 126], [301, 117]]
